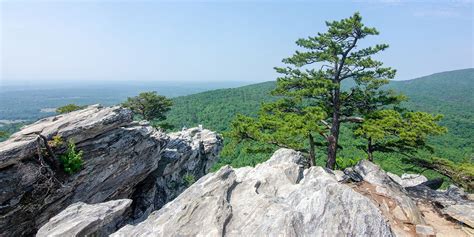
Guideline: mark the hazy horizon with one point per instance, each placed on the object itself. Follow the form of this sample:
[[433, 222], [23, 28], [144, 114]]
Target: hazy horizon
[[208, 42], [97, 82]]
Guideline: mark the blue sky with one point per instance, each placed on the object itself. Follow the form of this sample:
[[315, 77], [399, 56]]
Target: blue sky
[[215, 40]]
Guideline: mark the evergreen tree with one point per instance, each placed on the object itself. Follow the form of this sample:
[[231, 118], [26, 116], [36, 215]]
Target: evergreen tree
[[328, 59], [392, 131], [149, 105], [287, 123]]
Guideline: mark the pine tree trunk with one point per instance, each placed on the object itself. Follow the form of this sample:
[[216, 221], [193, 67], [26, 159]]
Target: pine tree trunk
[[332, 147], [312, 153], [334, 132], [370, 150]]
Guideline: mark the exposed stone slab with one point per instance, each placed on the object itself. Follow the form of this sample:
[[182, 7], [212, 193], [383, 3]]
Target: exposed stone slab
[[80, 219], [276, 198]]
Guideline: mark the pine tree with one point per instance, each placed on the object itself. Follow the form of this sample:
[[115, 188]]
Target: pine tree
[[392, 131], [328, 59], [149, 105], [287, 123]]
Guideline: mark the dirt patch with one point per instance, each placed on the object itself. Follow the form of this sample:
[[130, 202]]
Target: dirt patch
[[442, 225], [401, 226], [389, 208]]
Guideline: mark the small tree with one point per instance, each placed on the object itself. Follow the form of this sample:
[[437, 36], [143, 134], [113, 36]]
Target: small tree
[[189, 179], [287, 123], [68, 108], [149, 105], [391, 131]]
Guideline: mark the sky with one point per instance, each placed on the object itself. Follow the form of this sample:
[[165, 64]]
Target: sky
[[206, 41]]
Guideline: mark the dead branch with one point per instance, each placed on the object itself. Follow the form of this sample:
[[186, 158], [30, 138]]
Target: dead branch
[[52, 159]]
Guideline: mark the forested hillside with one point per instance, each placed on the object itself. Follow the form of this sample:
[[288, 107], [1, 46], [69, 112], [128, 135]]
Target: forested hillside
[[448, 93], [215, 109], [451, 94]]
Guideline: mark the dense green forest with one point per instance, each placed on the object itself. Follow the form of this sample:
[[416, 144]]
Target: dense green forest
[[447, 93]]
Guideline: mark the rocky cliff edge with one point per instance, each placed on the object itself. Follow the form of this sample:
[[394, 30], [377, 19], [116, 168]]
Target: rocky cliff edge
[[122, 159]]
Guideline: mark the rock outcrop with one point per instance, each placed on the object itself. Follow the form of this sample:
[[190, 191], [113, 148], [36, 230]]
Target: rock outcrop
[[414, 210], [189, 153], [276, 198], [122, 159], [408, 180], [281, 197], [82, 219], [394, 201], [452, 202]]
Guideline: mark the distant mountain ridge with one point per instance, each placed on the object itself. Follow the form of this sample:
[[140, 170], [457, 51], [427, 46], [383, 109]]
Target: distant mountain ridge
[[454, 87]]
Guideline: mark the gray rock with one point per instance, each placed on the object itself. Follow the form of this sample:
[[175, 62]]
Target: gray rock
[[340, 176], [455, 192], [422, 192], [190, 152], [386, 186], [276, 198], [395, 178], [424, 230], [408, 180], [78, 125], [463, 213], [452, 202], [119, 156], [80, 219]]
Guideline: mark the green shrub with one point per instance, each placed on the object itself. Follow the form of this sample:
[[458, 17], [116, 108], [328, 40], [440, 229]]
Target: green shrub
[[342, 163], [189, 179], [68, 108], [3, 134], [72, 159]]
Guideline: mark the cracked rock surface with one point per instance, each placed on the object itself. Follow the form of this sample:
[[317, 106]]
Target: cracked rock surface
[[81, 219], [122, 159], [276, 198]]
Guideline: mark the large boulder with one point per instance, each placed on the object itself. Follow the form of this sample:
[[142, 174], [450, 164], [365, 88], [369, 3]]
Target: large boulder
[[80, 219], [276, 198], [119, 155]]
